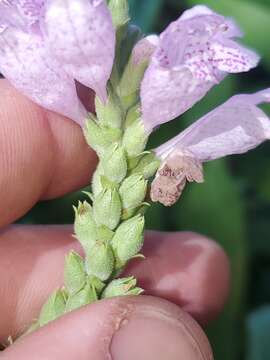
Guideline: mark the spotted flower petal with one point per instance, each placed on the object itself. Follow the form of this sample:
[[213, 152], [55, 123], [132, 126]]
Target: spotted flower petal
[[194, 53], [26, 62], [235, 127], [80, 34], [24, 14]]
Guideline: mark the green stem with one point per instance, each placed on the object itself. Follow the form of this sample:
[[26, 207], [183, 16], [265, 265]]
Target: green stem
[[110, 226]]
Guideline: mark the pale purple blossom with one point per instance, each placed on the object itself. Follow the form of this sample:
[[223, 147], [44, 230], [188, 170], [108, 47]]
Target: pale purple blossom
[[235, 127], [80, 34], [193, 54], [46, 45]]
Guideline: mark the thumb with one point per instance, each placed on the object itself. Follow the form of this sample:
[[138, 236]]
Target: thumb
[[118, 329]]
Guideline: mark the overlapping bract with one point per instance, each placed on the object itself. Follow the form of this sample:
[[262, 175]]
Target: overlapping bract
[[194, 54], [46, 45]]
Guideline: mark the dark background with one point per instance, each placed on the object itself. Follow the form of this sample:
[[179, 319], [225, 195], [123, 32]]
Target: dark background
[[233, 205]]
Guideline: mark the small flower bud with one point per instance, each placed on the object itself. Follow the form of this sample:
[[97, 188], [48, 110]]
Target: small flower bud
[[84, 226], [100, 262], [97, 284], [85, 296], [53, 308], [100, 138], [148, 165], [120, 12], [122, 287], [133, 191], [135, 138], [114, 163], [130, 83], [107, 208], [109, 114], [128, 239], [74, 273]]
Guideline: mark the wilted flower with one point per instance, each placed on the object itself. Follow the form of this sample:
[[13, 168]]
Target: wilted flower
[[46, 45], [233, 128], [193, 54]]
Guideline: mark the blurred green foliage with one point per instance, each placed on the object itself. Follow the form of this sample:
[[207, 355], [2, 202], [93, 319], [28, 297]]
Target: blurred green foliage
[[233, 205]]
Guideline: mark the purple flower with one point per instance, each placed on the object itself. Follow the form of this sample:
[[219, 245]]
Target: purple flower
[[194, 54], [46, 45], [80, 34], [233, 128]]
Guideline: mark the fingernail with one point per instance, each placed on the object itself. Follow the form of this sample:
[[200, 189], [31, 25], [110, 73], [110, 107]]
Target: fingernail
[[153, 333]]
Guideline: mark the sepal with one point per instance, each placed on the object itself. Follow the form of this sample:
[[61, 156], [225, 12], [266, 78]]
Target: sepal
[[100, 138], [133, 191], [84, 297], [84, 226], [74, 273], [128, 239], [53, 308], [122, 287], [109, 114], [148, 165], [100, 261], [114, 163], [107, 208], [135, 138]]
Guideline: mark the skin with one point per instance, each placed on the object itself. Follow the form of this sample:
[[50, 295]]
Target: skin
[[185, 275]]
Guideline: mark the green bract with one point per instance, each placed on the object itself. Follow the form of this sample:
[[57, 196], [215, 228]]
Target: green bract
[[133, 191], [128, 239], [85, 296], [100, 261], [74, 274], [107, 208], [85, 227], [122, 287], [53, 308]]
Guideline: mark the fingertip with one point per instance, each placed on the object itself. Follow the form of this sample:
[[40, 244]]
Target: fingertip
[[42, 154], [159, 330], [213, 275], [74, 161], [121, 328], [186, 268]]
